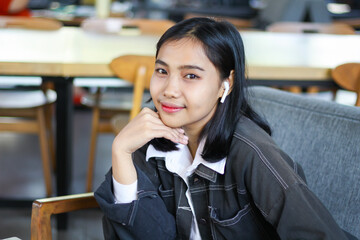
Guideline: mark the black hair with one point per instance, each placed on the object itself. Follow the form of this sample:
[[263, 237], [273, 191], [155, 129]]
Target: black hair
[[224, 47]]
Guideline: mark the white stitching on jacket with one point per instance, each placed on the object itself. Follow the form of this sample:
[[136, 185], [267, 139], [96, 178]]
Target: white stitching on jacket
[[264, 160]]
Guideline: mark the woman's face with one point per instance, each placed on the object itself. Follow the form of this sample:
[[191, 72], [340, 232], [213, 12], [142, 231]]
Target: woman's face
[[185, 86]]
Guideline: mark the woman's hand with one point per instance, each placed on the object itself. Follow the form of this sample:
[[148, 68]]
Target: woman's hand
[[146, 126], [143, 128]]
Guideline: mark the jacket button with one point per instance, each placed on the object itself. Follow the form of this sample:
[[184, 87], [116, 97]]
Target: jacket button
[[196, 179], [203, 221]]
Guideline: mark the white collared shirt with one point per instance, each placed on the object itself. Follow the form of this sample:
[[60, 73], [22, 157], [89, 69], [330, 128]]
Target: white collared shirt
[[179, 162]]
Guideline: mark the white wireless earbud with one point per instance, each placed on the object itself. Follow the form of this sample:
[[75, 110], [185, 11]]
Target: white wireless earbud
[[227, 87]]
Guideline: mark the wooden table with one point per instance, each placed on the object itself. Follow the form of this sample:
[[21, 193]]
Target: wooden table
[[301, 59], [59, 56], [71, 52]]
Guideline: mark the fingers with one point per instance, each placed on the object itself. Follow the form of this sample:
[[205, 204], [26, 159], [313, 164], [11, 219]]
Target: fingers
[[154, 118], [174, 135], [156, 129], [144, 127]]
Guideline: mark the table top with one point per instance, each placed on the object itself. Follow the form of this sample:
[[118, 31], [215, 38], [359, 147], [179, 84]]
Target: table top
[[69, 51], [298, 56], [72, 52]]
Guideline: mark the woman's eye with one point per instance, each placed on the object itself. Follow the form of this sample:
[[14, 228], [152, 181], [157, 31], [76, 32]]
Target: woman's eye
[[161, 71], [191, 76]]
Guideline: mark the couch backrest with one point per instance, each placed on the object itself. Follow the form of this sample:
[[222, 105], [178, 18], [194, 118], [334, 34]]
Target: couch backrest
[[324, 137]]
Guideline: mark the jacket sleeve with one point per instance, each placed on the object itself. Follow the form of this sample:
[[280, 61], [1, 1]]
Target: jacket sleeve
[[144, 218], [299, 214], [285, 200]]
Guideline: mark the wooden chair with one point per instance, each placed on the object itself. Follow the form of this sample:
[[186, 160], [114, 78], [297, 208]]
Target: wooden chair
[[138, 71], [30, 23], [347, 76], [30, 112], [102, 111], [302, 27], [43, 209], [353, 22], [239, 23]]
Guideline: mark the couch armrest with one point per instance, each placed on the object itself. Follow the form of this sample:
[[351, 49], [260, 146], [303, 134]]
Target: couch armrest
[[42, 209]]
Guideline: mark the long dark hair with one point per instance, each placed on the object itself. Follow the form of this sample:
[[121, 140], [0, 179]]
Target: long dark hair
[[224, 47]]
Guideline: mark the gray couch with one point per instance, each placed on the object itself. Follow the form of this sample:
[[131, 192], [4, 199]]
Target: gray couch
[[324, 137]]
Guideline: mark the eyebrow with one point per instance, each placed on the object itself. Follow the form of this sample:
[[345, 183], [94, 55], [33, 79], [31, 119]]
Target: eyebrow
[[158, 61]]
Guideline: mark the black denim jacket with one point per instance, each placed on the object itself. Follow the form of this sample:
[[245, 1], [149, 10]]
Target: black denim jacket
[[260, 196]]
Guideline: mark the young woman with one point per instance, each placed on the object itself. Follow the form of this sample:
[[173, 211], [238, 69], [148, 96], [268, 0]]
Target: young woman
[[203, 164]]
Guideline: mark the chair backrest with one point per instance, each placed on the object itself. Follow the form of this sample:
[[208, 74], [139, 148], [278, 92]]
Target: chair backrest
[[29, 23], [302, 27], [324, 138], [43, 209], [137, 70], [116, 25], [239, 23], [348, 77]]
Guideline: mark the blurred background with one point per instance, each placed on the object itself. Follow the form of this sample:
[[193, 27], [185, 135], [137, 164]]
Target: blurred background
[[73, 11], [19, 153]]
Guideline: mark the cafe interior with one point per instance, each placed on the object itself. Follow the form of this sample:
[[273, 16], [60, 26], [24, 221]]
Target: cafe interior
[[72, 75]]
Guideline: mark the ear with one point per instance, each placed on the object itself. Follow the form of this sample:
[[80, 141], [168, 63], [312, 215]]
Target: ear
[[230, 80]]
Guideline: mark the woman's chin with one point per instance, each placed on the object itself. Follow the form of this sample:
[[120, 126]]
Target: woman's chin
[[171, 122]]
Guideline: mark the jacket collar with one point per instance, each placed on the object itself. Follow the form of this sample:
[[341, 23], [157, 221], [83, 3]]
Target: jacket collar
[[182, 156]]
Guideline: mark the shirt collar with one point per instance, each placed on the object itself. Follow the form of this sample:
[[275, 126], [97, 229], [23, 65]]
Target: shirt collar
[[182, 159]]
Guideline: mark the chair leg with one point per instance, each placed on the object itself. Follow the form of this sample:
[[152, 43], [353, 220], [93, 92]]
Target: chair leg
[[293, 89], [313, 89], [334, 93], [44, 150], [40, 223], [49, 126], [92, 150]]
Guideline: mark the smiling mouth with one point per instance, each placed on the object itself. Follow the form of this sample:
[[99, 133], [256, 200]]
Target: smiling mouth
[[170, 109]]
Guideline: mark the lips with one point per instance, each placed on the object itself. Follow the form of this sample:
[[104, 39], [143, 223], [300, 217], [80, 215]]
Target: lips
[[171, 108]]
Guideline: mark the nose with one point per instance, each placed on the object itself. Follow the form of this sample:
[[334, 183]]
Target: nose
[[172, 87]]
